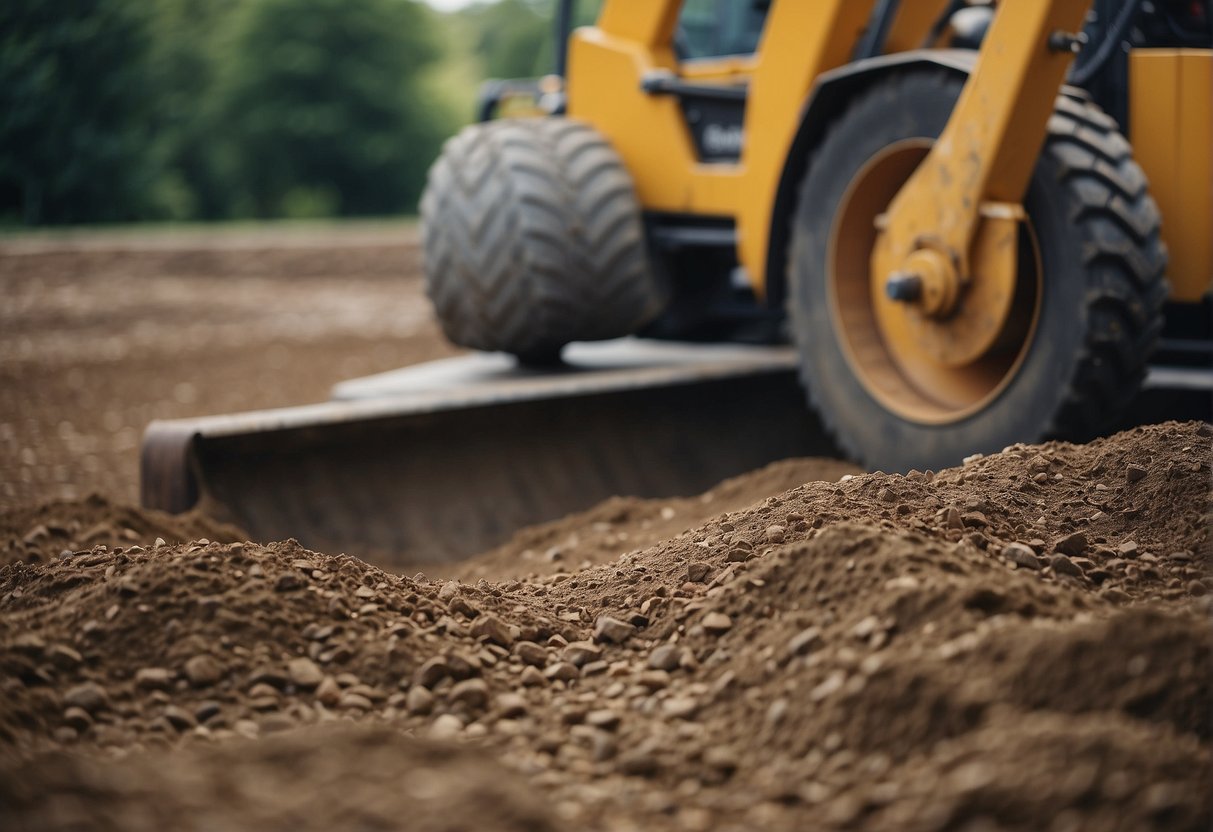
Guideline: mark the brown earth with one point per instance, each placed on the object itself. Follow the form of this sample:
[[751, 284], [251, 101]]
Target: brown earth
[[100, 334], [1019, 643]]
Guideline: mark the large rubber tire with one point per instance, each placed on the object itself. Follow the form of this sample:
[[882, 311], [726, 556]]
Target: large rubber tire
[[533, 239], [1101, 289]]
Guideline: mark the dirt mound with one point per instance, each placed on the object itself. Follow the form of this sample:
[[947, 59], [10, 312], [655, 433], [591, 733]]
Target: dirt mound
[[624, 524], [1021, 643], [42, 533], [329, 778]]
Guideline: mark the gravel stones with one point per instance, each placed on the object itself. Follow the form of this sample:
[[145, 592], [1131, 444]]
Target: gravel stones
[[304, 673], [562, 672], [581, 653], [804, 642], [717, 623], [154, 678], [493, 629], [1021, 555], [432, 672], [612, 630], [474, 693], [1072, 544], [1062, 565], [531, 653], [89, 697], [698, 572], [666, 657], [419, 700]]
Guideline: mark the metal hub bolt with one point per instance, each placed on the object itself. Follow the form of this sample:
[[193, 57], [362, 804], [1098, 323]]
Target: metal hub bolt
[[904, 287]]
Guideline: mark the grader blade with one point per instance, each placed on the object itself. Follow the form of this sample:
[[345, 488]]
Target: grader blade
[[439, 461]]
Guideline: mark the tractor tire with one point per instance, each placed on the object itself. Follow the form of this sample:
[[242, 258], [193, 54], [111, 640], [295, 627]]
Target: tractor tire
[[533, 239], [1087, 307]]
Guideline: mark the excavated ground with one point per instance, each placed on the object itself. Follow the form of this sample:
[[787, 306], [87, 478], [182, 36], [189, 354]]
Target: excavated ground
[[1019, 643]]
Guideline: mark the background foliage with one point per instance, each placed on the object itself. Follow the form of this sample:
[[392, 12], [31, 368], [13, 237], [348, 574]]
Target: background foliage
[[132, 110]]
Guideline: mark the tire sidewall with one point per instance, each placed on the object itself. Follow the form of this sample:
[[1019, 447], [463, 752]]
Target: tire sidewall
[[1023, 410]]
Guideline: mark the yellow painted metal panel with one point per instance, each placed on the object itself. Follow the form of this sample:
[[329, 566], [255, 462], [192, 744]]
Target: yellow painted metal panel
[[1171, 128]]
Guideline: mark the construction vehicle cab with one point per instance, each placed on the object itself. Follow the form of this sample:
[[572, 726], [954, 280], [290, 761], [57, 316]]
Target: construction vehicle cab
[[938, 195]]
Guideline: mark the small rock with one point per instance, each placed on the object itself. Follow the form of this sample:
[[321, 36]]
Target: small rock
[[531, 677], [273, 723], [263, 691], [639, 763], [207, 710], [1128, 549], [89, 696], [510, 705], [952, 518], [612, 630], [351, 701], [666, 657], [774, 534], [473, 693], [777, 711], [179, 718], [328, 692], [420, 700], [272, 676], [698, 572], [445, 727], [29, 644], [154, 678], [304, 673], [64, 657], [449, 590], [721, 758], [493, 629], [804, 642], [1133, 473], [581, 653], [562, 671], [1072, 544], [78, 718], [1021, 555], [432, 672], [717, 623], [680, 707], [531, 653], [604, 718], [1062, 565]]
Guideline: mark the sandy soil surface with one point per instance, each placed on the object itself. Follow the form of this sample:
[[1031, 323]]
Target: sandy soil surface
[[100, 334], [1019, 643]]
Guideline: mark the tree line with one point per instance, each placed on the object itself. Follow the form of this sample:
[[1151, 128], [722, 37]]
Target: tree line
[[145, 110]]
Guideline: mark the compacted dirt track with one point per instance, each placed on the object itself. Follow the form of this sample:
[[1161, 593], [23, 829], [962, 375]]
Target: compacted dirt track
[[1022, 642]]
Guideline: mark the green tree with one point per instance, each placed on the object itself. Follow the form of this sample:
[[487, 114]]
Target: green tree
[[190, 37], [75, 125], [322, 105]]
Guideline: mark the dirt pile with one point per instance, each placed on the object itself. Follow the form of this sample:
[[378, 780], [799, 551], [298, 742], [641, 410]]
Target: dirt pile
[[328, 778], [1024, 639], [629, 524], [42, 533]]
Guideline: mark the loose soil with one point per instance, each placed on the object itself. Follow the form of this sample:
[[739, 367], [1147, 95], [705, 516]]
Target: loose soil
[[1022, 642]]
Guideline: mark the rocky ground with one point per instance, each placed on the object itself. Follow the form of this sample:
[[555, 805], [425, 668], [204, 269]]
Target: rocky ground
[[1019, 643]]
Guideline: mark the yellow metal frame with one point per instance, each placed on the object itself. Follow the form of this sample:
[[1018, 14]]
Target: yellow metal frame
[[1171, 126], [974, 177]]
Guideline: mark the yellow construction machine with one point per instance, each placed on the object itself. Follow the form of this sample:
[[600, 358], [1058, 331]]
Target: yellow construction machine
[[961, 225]]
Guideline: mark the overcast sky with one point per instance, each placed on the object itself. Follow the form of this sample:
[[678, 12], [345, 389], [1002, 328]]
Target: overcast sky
[[448, 5]]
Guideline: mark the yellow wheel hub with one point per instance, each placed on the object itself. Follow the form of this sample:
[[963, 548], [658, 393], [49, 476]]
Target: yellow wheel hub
[[932, 344]]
